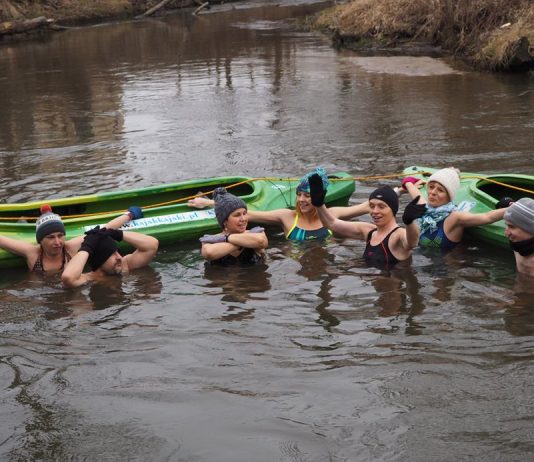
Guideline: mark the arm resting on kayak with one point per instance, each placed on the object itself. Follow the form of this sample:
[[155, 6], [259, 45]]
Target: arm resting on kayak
[[18, 247], [467, 219]]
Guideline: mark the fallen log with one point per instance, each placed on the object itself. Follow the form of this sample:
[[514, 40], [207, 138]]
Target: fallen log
[[153, 9], [201, 7], [19, 27]]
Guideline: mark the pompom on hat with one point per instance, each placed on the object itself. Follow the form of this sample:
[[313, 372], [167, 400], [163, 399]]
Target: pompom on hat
[[304, 184], [449, 178], [48, 223], [225, 204], [521, 214]]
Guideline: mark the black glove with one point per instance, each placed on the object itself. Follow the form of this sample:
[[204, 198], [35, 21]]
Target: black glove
[[116, 234], [504, 202], [413, 211], [317, 191], [91, 240]]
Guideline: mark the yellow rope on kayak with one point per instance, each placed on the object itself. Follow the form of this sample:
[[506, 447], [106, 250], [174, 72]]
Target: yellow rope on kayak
[[250, 180]]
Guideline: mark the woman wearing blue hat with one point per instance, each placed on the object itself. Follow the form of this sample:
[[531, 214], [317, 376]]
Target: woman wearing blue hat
[[303, 223]]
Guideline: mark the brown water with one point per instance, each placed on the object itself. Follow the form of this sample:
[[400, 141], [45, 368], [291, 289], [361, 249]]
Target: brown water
[[312, 357]]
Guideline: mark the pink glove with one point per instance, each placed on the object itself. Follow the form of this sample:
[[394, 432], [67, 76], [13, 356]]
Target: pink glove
[[409, 179]]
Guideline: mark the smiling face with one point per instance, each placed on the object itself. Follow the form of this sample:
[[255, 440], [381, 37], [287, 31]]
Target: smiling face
[[516, 234], [52, 244], [437, 194], [113, 265], [304, 204], [381, 212], [237, 221]]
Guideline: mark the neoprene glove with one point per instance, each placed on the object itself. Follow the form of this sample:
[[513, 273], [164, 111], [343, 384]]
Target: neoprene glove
[[317, 191], [256, 229], [413, 211], [213, 238], [115, 234], [135, 212], [504, 202], [91, 240], [409, 179]]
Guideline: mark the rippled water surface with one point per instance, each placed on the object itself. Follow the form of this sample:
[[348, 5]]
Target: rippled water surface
[[312, 357]]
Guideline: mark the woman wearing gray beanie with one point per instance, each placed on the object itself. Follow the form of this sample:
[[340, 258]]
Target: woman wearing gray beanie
[[519, 219], [301, 223], [53, 251], [234, 244]]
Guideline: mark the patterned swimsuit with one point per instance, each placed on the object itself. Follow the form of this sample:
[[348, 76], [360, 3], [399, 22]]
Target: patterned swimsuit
[[38, 266], [299, 234]]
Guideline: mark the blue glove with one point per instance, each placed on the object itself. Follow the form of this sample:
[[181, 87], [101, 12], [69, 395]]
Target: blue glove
[[213, 238], [256, 229], [135, 212]]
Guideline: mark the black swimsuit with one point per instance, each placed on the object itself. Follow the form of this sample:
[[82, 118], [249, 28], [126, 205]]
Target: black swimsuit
[[247, 257], [379, 254]]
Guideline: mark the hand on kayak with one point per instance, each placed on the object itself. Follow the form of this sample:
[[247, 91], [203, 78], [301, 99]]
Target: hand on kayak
[[413, 211], [504, 202], [317, 191], [135, 212], [200, 202]]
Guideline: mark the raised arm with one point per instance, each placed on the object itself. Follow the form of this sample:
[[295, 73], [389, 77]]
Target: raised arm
[[145, 246], [353, 211], [133, 213], [73, 275]]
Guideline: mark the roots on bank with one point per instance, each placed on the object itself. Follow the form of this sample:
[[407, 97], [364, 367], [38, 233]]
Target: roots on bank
[[491, 34]]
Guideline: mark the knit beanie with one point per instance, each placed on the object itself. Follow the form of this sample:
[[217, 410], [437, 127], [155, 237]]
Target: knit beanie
[[388, 195], [225, 204], [449, 179], [48, 223], [107, 246], [521, 214], [304, 185]]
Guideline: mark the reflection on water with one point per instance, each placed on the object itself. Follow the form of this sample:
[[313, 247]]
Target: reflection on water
[[313, 356]]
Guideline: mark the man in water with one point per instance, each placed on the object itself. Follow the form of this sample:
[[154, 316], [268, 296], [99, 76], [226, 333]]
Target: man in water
[[519, 219], [99, 249]]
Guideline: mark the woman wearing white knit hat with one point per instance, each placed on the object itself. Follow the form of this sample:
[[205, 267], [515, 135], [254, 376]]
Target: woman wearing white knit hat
[[443, 225], [519, 219]]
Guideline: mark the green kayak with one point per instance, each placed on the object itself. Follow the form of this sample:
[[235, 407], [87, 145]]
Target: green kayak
[[166, 213], [480, 193]]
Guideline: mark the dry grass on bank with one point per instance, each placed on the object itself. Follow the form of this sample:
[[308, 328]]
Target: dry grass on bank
[[470, 28]]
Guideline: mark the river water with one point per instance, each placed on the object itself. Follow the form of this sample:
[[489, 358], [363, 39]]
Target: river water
[[312, 357]]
